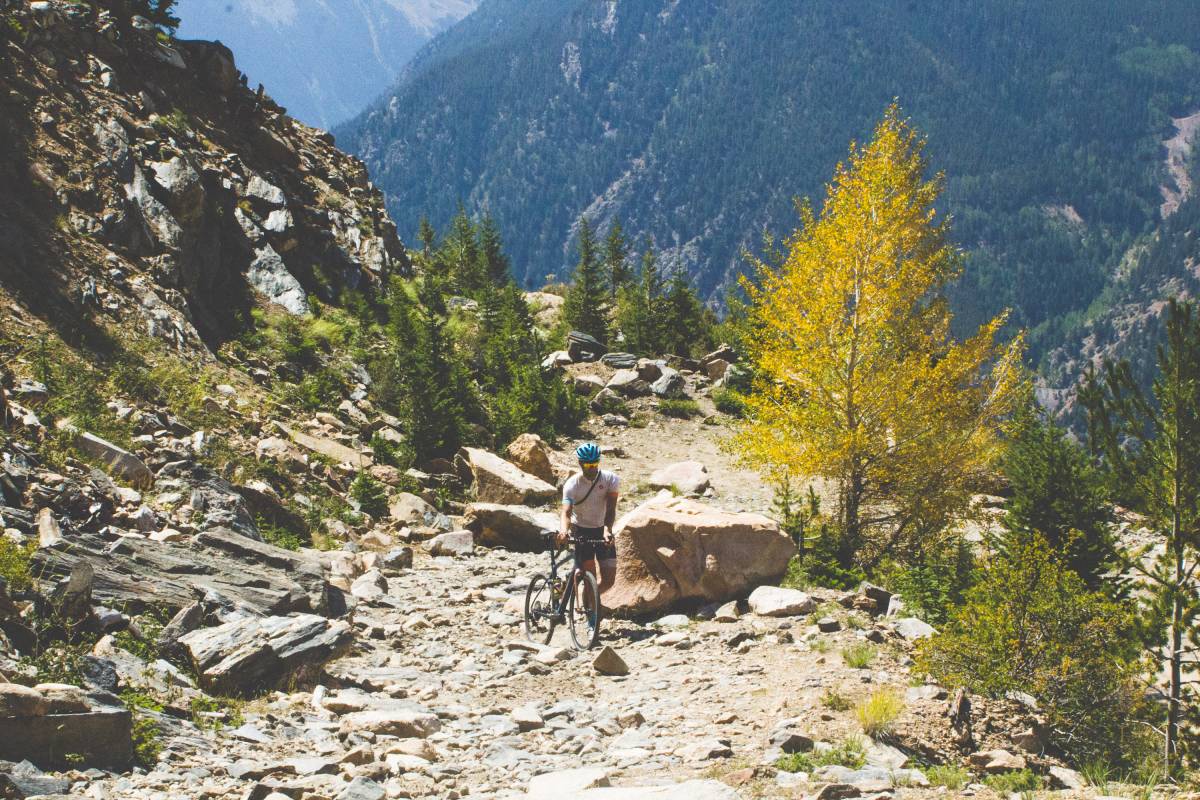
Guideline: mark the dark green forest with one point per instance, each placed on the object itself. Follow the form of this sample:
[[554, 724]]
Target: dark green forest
[[698, 124]]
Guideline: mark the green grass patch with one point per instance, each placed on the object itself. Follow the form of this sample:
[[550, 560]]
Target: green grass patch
[[877, 714], [679, 408], [951, 776], [15, 564], [850, 753], [203, 709], [729, 401], [1015, 782], [836, 701], [859, 655]]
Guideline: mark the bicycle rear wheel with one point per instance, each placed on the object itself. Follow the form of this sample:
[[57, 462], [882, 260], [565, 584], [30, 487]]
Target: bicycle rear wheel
[[539, 610], [583, 611]]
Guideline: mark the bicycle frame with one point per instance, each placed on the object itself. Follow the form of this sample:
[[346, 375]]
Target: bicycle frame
[[555, 563]]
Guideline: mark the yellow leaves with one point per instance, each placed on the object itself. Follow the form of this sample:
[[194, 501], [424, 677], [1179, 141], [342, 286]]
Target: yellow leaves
[[860, 379]]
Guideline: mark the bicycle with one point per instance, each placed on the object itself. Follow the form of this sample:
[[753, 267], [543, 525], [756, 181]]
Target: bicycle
[[551, 599]]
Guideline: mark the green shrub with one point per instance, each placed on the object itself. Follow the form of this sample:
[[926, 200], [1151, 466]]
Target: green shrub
[[370, 495], [934, 581], [278, 535], [202, 707], [850, 752], [859, 655], [147, 741], [15, 564], [175, 122], [1031, 625], [142, 638], [611, 404], [951, 776], [680, 408], [836, 701], [1007, 783], [878, 713], [729, 402]]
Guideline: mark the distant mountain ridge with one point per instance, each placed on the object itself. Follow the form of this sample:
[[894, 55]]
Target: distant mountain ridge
[[325, 60], [697, 123]]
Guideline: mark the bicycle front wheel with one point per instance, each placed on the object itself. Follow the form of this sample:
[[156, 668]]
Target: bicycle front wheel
[[583, 611], [539, 610]]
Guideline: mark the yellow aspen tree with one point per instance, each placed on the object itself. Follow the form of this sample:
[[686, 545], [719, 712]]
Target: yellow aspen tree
[[859, 380]]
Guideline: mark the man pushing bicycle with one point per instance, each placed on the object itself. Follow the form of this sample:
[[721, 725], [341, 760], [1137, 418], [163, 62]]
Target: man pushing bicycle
[[589, 510]]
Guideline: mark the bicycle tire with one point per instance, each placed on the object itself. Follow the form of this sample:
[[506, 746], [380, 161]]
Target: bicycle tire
[[584, 623], [539, 610]]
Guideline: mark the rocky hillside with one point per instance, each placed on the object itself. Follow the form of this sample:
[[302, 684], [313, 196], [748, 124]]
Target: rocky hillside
[[148, 188], [324, 61]]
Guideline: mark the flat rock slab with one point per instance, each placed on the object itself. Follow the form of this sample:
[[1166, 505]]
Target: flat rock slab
[[119, 462], [327, 447], [252, 654], [499, 481], [403, 723], [566, 783], [775, 601], [136, 574], [102, 738]]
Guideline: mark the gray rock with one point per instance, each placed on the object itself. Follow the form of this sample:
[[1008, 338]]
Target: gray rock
[[370, 587], [403, 723], [619, 360], [584, 347], [688, 477], [912, 628], [101, 738], [454, 543], [362, 789], [219, 566], [397, 558], [24, 780], [259, 189], [774, 601], [270, 277], [185, 191], [627, 382], [119, 462], [513, 527], [669, 384], [252, 654], [609, 662]]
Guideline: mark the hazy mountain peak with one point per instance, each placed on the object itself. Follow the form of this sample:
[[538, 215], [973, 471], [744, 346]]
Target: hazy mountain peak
[[322, 59]]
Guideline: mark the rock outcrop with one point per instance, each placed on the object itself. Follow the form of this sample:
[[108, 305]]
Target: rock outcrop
[[511, 527], [499, 481], [220, 567], [248, 655], [675, 551]]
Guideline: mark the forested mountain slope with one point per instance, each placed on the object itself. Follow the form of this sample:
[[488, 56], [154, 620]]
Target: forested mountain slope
[[697, 123]]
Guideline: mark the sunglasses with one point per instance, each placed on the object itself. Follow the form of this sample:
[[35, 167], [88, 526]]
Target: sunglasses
[[589, 463]]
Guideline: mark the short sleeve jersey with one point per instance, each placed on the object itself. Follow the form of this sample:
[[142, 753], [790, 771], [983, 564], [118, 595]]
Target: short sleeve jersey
[[590, 513]]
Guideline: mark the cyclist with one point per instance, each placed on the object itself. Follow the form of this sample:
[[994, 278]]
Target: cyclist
[[589, 509]]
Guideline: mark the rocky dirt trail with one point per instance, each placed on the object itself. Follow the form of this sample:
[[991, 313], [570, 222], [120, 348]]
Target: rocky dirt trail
[[441, 696]]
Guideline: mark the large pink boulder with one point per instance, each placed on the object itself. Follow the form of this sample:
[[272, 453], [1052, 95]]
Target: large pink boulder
[[673, 551]]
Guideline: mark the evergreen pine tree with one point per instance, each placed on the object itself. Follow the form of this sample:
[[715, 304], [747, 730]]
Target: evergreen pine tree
[[462, 255], [616, 258], [1152, 443], [495, 262], [1058, 495], [427, 236], [157, 11], [639, 303], [586, 305], [684, 322]]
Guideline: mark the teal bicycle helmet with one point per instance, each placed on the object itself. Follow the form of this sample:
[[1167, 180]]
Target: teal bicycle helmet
[[587, 453]]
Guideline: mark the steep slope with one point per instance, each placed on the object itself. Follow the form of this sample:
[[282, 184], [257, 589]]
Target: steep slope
[[697, 123], [147, 187], [324, 61]]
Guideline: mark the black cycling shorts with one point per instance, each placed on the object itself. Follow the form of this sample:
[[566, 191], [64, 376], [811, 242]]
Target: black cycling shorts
[[590, 545]]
